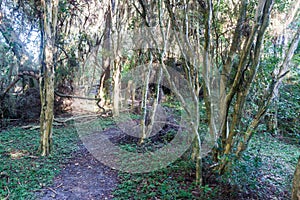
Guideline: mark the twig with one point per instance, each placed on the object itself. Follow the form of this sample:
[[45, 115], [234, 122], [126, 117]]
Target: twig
[[214, 165], [32, 127], [52, 190], [61, 184]]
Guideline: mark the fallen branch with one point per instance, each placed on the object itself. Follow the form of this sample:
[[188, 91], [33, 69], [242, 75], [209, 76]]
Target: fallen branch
[[9, 87], [35, 127], [18, 77], [30, 127], [60, 120], [59, 186], [78, 97]]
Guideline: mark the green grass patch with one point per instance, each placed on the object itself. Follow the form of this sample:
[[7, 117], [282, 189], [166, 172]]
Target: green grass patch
[[266, 167], [264, 171], [22, 170], [174, 182]]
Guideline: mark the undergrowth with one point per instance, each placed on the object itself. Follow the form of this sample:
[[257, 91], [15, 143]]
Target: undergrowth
[[23, 171], [266, 168], [174, 182], [265, 171]]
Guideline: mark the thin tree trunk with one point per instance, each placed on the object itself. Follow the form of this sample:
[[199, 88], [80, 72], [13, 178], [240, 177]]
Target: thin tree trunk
[[116, 94], [192, 111], [144, 121], [106, 60], [274, 85], [129, 94], [226, 70], [50, 11], [155, 104], [241, 85], [296, 183]]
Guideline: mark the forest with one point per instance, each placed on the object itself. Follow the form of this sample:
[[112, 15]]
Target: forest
[[161, 99]]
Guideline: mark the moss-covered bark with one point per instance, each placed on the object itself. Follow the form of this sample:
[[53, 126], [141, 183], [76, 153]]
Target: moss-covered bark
[[48, 27], [296, 183]]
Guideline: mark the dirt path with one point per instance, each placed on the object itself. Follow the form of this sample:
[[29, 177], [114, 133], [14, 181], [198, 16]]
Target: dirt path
[[82, 178]]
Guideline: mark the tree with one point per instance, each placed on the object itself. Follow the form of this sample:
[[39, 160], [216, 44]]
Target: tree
[[106, 59], [231, 44], [296, 182], [48, 35], [239, 68], [17, 62]]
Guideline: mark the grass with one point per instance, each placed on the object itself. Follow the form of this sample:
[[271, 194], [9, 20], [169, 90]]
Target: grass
[[264, 172], [266, 168], [173, 182], [22, 170]]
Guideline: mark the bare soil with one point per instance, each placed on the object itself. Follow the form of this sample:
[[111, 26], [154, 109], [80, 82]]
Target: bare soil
[[82, 178]]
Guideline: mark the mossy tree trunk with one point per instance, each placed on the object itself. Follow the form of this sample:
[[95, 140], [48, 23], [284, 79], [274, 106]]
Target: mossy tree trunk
[[103, 92], [296, 183], [48, 30]]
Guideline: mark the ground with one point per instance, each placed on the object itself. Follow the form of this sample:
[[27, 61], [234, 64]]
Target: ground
[[264, 172], [82, 178]]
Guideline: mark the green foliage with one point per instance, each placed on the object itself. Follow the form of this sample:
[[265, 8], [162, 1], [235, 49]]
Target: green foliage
[[7, 64], [266, 168], [282, 6], [22, 170], [173, 182], [289, 110], [174, 105]]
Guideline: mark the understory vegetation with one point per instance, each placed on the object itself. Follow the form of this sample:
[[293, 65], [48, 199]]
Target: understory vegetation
[[23, 171], [164, 99], [264, 171]]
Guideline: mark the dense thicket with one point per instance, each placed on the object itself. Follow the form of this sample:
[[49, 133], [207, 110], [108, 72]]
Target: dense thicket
[[233, 55]]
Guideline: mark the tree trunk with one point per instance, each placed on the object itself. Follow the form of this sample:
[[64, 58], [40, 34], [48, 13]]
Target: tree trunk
[[130, 95], [296, 183], [278, 75], [116, 80], [106, 60], [145, 120], [152, 112], [48, 29]]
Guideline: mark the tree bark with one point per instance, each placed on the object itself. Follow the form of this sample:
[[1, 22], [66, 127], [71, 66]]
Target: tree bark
[[144, 121], [48, 29], [274, 85], [296, 182], [106, 60], [116, 93]]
